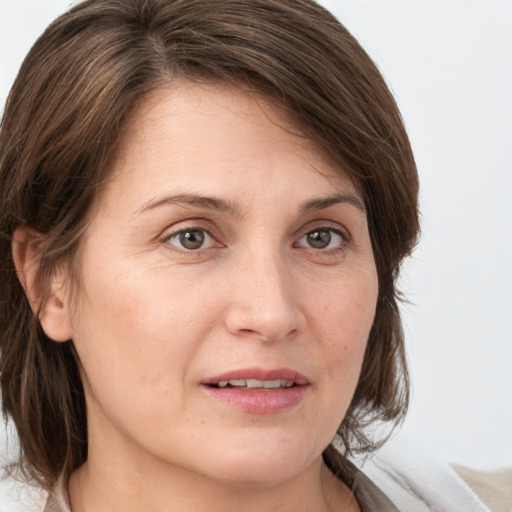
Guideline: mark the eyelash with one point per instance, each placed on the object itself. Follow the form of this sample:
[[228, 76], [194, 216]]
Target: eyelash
[[344, 239]]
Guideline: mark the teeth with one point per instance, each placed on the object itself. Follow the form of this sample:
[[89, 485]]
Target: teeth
[[237, 382], [254, 383], [269, 383]]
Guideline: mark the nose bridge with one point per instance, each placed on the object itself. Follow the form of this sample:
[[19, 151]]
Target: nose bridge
[[271, 281], [265, 302]]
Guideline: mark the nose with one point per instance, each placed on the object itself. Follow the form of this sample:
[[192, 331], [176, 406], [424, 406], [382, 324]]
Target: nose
[[264, 301]]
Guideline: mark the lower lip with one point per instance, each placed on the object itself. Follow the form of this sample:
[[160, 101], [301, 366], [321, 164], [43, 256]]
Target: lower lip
[[259, 401]]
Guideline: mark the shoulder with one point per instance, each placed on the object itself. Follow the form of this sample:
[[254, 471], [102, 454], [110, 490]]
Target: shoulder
[[493, 488], [416, 480], [18, 496]]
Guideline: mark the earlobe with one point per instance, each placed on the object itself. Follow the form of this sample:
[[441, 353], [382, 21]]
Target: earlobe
[[50, 301]]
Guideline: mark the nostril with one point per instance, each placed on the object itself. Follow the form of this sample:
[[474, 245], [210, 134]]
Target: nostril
[[266, 324]]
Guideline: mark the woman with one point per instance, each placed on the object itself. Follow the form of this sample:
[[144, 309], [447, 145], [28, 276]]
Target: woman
[[205, 205]]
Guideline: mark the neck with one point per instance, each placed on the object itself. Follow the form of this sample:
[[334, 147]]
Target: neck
[[100, 487]]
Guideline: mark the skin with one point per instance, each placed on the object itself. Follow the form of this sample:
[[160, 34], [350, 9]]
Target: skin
[[153, 318]]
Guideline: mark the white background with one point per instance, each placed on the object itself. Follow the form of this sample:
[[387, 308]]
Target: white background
[[449, 63]]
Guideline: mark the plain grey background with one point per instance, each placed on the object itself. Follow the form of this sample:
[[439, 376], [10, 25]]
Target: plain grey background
[[449, 64]]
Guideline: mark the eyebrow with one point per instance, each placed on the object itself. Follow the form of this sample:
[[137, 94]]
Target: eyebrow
[[221, 205], [209, 203], [323, 203]]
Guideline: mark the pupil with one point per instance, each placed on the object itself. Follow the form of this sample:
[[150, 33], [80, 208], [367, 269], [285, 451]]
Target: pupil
[[319, 239], [192, 239]]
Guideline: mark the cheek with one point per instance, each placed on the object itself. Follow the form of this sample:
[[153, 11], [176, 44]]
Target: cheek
[[130, 327], [345, 307], [343, 323]]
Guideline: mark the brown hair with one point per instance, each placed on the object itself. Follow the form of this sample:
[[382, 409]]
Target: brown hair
[[61, 126]]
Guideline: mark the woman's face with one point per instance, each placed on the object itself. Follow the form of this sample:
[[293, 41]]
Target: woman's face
[[228, 291]]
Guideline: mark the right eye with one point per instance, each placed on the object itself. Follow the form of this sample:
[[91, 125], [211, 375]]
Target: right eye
[[192, 239]]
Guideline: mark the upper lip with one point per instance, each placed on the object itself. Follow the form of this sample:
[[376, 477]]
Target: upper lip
[[259, 374]]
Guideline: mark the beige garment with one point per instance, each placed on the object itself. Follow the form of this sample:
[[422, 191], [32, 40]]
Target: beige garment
[[493, 488]]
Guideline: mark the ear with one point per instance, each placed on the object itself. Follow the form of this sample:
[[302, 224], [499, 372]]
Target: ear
[[51, 304]]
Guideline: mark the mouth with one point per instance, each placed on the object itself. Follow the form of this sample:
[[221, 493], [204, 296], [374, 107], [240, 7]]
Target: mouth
[[258, 391], [257, 378], [254, 384]]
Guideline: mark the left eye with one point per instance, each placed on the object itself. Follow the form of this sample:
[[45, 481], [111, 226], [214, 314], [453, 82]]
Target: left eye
[[191, 239], [322, 238]]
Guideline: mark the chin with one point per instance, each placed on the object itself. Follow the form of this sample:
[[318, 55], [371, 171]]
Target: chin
[[252, 474], [261, 464]]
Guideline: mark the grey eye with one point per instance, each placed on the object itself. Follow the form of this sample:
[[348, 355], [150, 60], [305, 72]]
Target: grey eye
[[319, 239], [322, 238], [191, 239]]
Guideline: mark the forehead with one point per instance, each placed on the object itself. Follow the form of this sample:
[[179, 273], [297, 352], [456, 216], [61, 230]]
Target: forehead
[[218, 135]]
